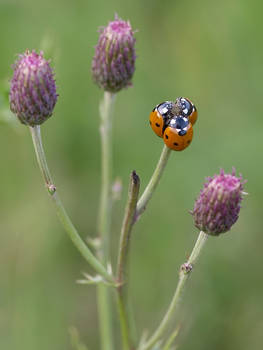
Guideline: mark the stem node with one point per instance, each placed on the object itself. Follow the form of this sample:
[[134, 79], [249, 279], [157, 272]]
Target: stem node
[[186, 268], [51, 189]]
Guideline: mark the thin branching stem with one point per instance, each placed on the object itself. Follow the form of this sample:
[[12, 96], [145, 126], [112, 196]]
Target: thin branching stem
[[154, 181], [61, 212], [185, 272], [134, 210], [104, 219], [122, 265]]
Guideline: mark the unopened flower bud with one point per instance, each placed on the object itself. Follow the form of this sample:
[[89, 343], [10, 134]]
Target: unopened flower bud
[[33, 90], [113, 64], [218, 205]]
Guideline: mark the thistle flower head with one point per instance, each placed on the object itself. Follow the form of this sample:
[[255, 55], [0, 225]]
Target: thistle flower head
[[33, 90], [113, 64], [218, 205]]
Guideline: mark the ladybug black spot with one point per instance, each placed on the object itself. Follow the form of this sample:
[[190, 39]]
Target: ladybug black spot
[[158, 125], [188, 141], [166, 136], [175, 143], [150, 123]]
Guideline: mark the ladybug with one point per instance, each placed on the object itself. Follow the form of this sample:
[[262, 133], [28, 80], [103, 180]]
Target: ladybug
[[160, 117], [179, 133], [187, 109]]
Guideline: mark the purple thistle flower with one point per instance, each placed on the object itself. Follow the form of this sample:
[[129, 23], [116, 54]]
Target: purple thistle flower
[[33, 90], [113, 64], [218, 205]]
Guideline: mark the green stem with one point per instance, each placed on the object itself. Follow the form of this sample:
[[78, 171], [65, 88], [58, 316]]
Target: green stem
[[65, 220], [149, 190], [134, 209], [170, 340], [105, 317], [104, 220], [124, 324], [122, 265], [127, 223], [183, 277]]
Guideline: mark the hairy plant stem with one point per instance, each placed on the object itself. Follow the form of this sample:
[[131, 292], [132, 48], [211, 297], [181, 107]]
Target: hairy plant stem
[[104, 220], [170, 340], [184, 274], [122, 268], [134, 209], [64, 218], [154, 181]]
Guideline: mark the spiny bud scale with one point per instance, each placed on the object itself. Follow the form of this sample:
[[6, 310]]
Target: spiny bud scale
[[218, 205], [33, 90], [113, 64]]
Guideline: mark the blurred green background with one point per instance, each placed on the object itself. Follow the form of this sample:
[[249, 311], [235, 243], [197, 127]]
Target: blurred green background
[[209, 51]]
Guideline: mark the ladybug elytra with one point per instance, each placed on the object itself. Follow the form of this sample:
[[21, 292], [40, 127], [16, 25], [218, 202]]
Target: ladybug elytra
[[173, 121], [178, 134], [188, 109], [160, 117]]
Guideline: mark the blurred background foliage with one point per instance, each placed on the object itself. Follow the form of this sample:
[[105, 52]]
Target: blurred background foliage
[[209, 51]]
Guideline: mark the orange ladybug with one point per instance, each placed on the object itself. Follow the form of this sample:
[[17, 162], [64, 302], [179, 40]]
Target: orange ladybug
[[188, 109], [160, 117], [178, 134]]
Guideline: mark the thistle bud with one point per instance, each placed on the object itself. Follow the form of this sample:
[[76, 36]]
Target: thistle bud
[[33, 90], [218, 205], [113, 64]]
